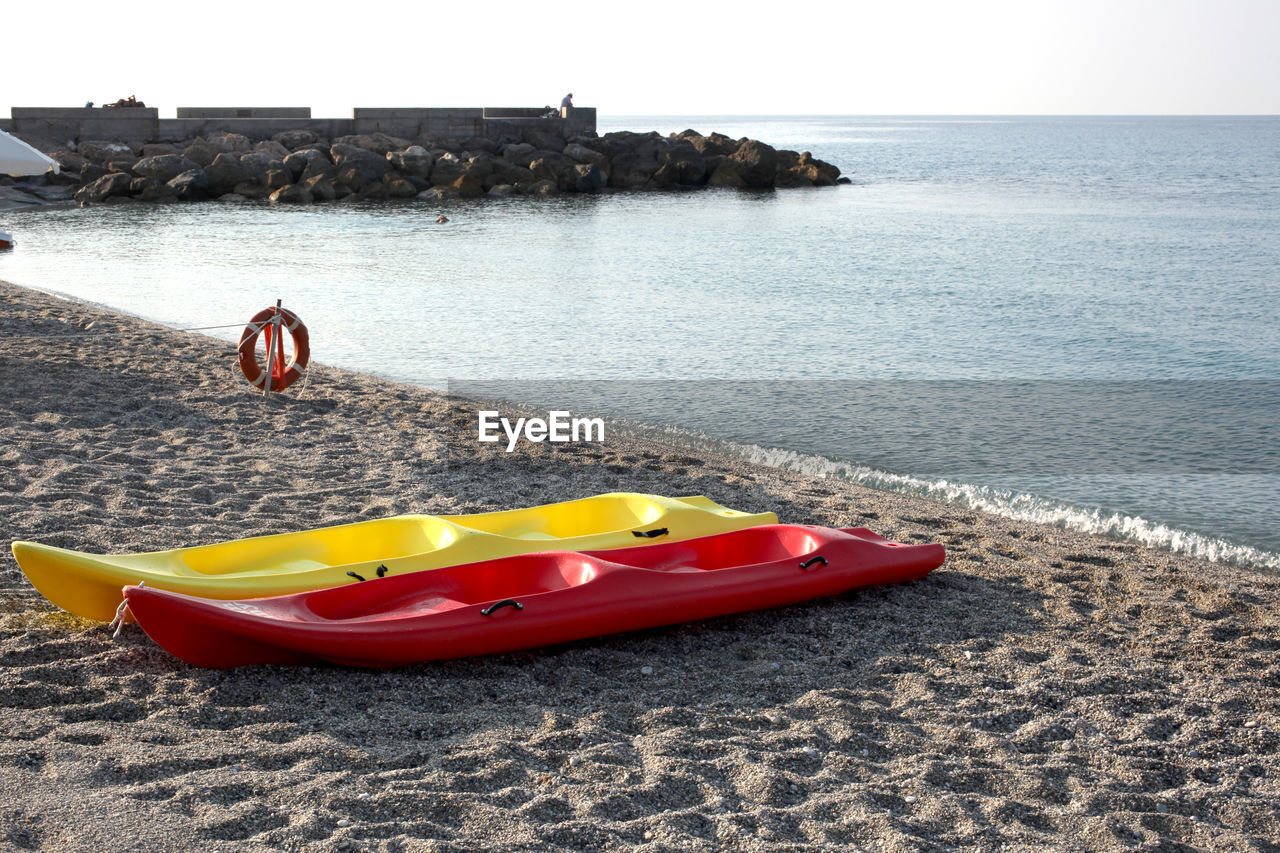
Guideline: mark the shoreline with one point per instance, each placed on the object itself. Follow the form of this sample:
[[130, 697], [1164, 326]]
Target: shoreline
[[1044, 688], [1109, 524]]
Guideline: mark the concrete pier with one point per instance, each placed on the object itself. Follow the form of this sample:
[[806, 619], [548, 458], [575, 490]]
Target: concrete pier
[[142, 125]]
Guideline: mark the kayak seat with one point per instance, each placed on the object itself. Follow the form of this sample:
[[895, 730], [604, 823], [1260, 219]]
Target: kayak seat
[[523, 575]]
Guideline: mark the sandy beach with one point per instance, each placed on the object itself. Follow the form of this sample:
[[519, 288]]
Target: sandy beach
[[1043, 690]]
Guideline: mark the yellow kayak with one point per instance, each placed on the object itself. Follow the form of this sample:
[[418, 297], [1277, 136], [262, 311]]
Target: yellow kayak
[[89, 584]]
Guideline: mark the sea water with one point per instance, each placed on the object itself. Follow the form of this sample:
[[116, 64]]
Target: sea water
[[899, 331]]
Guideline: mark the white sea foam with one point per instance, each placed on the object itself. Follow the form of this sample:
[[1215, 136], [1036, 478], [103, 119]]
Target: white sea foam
[[1019, 506]]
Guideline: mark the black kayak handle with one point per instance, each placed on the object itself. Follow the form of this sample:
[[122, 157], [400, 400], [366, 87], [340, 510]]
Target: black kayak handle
[[382, 571], [506, 602], [817, 559], [650, 534]]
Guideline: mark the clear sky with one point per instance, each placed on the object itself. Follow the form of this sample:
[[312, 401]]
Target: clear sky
[[693, 58]]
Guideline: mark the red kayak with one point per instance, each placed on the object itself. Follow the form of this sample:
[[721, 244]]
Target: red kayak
[[528, 600]]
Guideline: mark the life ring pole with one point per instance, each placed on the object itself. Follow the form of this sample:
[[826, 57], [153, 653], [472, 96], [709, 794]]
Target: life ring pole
[[275, 353]]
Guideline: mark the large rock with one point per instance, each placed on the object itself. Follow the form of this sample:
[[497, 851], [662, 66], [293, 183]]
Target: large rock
[[414, 161], [138, 185], [224, 173], [276, 179], [113, 184], [619, 143], [251, 190], [155, 149], [320, 187], [592, 142], [192, 185], [123, 163], [468, 185], [371, 165], [555, 167], [379, 143], [163, 167], [158, 193], [505, 172], [320, 166], [756, 162], [693, 171], [520, 153], [102, 152], [352, 177], [69, 161], [272, 148], [294, 139], [632, 170], [376, 191], [682, 164], [296, 163], [708, 146], [633, 157], [91, 172], [803, 170], [540, 188], [726, 174], [230, 143], [667, 175], [257, 165], [581, 154], [448, 168], [401, 188], [200, 153], [588, 177], [437, 194], [822, 173], [291, 194], [64, 179], [791, 178], [480, 165]]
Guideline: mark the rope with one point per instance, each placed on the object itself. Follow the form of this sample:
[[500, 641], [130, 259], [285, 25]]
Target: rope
[[122, 613], [255, 327], [116, 334]]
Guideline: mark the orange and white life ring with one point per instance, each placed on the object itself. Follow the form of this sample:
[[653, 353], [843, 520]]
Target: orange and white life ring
[[281, 375]]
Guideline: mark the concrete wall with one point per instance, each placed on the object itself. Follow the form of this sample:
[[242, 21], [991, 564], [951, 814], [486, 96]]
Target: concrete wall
[[457, 123], [244, 112], [141, 125], [134, 124]]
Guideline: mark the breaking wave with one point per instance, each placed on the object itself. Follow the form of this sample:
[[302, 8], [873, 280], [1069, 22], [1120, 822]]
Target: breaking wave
[[1020, 506]]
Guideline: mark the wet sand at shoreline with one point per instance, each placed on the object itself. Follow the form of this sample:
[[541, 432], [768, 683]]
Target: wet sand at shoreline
[[1043, 690]]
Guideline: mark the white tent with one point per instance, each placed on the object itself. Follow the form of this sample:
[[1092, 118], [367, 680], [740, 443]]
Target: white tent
[[19, 158]]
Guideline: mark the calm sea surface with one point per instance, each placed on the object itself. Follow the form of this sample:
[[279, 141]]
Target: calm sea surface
[[1008, 312]]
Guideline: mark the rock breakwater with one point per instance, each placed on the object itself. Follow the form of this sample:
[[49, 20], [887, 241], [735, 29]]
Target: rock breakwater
[[299, 167]]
